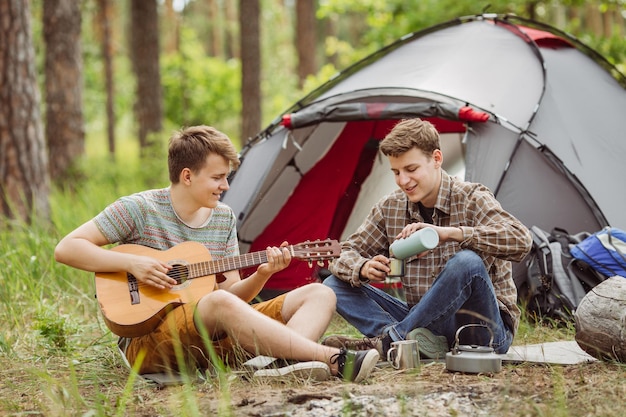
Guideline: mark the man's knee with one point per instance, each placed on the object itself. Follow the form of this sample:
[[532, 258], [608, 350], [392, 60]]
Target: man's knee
[[314, 291], [215, 310], [462, 269], [333, 282], [466, 258], [321, 291], [218, 299]]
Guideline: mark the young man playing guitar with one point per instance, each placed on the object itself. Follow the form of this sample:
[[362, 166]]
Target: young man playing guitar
[[288, 327]]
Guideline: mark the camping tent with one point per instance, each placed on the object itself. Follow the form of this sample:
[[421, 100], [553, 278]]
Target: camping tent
[[522, 108]]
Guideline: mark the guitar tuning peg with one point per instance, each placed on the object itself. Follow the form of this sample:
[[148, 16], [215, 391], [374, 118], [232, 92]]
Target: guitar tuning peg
[[320, 263], [310, 264]]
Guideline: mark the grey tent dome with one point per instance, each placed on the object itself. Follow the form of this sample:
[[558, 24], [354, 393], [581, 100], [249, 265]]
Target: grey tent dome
[[523, 108]]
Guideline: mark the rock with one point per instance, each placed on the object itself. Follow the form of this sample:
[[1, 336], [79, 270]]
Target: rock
[[600, 320]]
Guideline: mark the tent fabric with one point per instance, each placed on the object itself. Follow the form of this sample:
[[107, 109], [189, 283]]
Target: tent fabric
[[367, 111], [512, 114], [311, 209]]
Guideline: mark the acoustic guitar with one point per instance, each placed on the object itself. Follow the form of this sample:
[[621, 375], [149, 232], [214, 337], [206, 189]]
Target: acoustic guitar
[[131, 308]]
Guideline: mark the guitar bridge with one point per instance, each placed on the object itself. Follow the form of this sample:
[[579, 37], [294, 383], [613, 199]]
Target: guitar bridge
[[133, 288]]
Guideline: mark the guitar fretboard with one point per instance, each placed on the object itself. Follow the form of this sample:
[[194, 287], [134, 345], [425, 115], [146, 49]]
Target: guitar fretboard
[[205, 268]]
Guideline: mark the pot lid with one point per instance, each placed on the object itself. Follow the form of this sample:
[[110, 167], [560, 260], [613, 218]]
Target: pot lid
[[475, 348]]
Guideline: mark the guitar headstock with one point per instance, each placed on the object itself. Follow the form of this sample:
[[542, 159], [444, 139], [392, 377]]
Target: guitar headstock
[[317, 250]]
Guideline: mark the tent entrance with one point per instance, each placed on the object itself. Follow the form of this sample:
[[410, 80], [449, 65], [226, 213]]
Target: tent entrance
[[332, 188]]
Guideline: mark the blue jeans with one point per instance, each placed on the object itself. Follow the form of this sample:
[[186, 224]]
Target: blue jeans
[[462, 294]]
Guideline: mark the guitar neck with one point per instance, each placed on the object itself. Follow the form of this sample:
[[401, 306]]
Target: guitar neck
[[231, 263]]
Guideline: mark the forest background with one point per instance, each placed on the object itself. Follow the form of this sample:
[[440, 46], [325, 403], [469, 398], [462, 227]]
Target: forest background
[[91, 90]]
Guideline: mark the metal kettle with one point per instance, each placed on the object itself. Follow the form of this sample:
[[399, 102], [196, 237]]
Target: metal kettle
[[473, 359]]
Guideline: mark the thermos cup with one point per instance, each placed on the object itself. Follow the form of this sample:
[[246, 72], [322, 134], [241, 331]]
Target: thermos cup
[[418, 242]]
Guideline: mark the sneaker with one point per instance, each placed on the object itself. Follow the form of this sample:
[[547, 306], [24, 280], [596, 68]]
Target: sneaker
[[261, 361], [354, 343], [268, 367], [355, 366], [430, 345]]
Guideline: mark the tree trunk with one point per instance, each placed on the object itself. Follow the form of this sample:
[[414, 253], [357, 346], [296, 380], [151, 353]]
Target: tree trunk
[[232, 49], [531, 7], [216, 24], [601, 320], [144, 34], [171, 28], [104, 13], [593, 18], [24, 176], [330, 31], [305, 39], [249, 14], [65, 133]]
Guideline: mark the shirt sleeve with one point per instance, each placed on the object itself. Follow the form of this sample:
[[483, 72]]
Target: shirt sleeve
[[493, 231], [367, 241], [118, 222]]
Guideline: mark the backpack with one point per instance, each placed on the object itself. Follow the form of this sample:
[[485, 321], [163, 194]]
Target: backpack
[[604, 251], [555, 281]]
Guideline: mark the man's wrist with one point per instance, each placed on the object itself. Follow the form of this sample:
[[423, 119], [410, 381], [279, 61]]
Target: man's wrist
[[362, 278]]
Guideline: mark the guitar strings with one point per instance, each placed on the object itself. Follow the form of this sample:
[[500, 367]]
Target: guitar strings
[[178, 275], [184, 271]]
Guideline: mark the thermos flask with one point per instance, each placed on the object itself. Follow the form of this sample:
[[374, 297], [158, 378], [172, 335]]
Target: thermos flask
[[418, 242]]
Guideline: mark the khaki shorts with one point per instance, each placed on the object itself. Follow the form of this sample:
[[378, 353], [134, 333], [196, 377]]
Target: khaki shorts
[[163, 347]]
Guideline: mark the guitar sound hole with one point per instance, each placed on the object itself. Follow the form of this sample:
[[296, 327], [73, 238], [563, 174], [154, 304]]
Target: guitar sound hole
[[179, 273]]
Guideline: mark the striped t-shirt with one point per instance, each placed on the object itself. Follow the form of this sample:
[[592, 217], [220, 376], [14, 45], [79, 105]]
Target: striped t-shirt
[[148, 218]]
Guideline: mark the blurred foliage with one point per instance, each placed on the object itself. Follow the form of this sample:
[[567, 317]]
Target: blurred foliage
[[199, 89]]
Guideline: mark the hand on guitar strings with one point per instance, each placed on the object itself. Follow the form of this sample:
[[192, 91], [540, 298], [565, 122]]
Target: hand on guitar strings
[[152, 272]]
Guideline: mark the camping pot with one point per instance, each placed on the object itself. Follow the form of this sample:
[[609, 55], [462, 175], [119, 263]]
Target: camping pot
[[473, 358]]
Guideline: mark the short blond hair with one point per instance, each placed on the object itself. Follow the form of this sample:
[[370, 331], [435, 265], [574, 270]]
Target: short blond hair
[[408, 134], [189, 148]]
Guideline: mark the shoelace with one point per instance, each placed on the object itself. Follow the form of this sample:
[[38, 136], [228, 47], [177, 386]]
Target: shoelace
[[365, 344], [339, 358]]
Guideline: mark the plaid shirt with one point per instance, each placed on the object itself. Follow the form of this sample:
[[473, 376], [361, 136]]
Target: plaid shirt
[[488, 230]]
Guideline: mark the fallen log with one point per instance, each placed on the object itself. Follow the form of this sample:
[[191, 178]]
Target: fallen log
[[600, 320]]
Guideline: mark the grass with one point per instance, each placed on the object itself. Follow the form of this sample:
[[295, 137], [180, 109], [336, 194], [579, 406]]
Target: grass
[[57, 358]]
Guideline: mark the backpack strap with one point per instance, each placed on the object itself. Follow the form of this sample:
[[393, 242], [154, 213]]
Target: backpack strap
[[541, 245], [616, 246], [563, 270]]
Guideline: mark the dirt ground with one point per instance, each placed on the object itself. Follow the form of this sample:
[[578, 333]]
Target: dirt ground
[[97, 383], [590, 389], [587, 389]]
